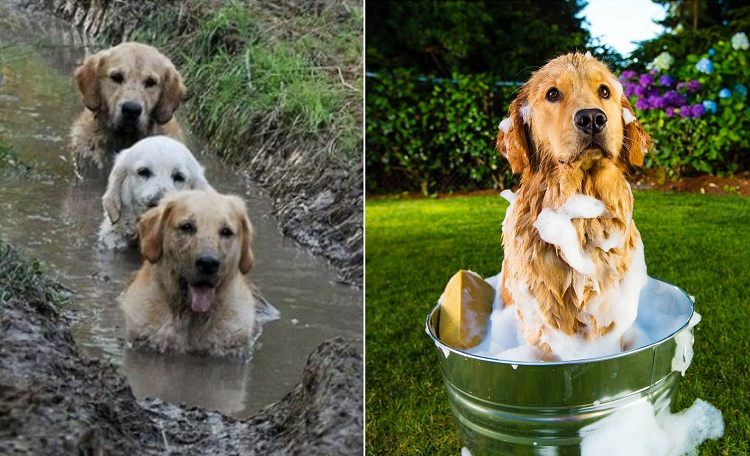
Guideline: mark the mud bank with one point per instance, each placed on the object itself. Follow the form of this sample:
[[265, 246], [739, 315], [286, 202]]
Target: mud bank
[[318, 199], [55, 401]]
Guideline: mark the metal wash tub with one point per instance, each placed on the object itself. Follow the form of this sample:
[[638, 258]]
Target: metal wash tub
[[521, 408]]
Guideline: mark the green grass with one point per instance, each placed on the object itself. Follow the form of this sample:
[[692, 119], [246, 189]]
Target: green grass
[[26, 280], [697, 242], [269, 75]]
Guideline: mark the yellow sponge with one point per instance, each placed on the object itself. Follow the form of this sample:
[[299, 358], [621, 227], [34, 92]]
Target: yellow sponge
[[465, 306]]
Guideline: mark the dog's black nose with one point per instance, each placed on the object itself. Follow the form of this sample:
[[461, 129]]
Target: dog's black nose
[[590, 121], [131, 109], [207, 264]]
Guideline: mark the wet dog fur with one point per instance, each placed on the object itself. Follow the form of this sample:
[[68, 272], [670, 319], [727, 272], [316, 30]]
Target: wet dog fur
[[130, 91], [192, 293], [557, 159]]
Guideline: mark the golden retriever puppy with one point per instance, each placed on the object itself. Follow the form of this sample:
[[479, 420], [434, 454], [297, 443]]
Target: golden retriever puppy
[[574, 263], [140, 177], [130, 91], [191, 294]]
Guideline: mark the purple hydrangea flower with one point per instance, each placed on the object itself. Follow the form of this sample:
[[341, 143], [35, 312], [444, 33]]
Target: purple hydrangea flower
[[681, 85], [639, 90], [710, 106], [725, 93], [669, 111], [675, 99], [641, 104], [697, 110], [666, 80], [627, 75], [629, 89], [704, 65], [655, 101], [646, 80], [685, 111], [693, 85], [740, 90]]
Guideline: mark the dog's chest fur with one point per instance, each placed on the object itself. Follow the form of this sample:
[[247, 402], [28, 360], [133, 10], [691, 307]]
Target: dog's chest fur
[[562, 293]]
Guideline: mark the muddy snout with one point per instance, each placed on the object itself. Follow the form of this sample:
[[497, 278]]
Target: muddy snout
[[202, 290], [207, 264], [153, 200], [130, 115]]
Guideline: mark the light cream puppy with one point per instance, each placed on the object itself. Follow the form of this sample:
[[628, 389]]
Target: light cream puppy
[[141, 176], [130, 91], [192, 293]]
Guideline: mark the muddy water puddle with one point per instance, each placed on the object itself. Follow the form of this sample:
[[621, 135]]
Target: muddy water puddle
[[48, 215]]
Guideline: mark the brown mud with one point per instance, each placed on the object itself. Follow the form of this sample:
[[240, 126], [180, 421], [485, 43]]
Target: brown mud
[[55, 401]]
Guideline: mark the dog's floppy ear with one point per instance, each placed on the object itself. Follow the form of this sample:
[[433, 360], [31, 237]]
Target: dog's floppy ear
[[513, 138], [151, 231], [635, 141], [199, 181], [112, 199], [247, 259], [87, 78], [172, 93]]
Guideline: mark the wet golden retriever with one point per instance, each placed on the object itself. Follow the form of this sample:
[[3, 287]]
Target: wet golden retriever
[[192, 294], [573, 260], [130, 91]]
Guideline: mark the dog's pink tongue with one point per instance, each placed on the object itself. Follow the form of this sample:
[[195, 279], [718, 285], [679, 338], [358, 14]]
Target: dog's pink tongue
[[201, 298]]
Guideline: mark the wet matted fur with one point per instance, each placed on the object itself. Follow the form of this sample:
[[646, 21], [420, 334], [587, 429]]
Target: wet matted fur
[[130, 91], [174, 304], [557, 159]]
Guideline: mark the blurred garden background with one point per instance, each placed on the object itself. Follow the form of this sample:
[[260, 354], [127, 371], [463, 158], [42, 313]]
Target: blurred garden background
[[440, 76]]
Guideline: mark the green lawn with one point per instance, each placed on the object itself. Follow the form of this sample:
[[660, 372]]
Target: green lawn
[[697, 242]]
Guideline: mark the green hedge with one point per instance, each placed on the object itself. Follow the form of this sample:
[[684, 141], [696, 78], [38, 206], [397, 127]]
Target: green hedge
[[431, 135]]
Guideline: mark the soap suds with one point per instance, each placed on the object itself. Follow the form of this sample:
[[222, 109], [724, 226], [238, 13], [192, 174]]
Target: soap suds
[[525, 113], [504, 125], [618, 88], [627, 116], [683, 354], [664, 435], [658, 315], [555, 227]]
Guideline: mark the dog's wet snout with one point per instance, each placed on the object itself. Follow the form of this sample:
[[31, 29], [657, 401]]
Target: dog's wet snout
[[131, 109], [207, 264], [590, 121], [154, 201]]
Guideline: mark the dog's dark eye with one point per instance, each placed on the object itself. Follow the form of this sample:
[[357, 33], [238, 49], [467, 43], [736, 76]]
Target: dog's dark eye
[[187, 227], [226, 232], [149, 82], [117, 78], [145, 172], [178, 177], [553, 94], [604, 91]]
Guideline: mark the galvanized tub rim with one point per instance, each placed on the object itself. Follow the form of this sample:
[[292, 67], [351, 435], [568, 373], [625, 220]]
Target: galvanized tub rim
[[442, 346]]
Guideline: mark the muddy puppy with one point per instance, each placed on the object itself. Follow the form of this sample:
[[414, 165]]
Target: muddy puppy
[[141, 176], [574, 263], [192, 293], [130, 91]]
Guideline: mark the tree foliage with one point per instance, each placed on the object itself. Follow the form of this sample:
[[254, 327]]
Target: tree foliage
[[507, 39], [716, 20]]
